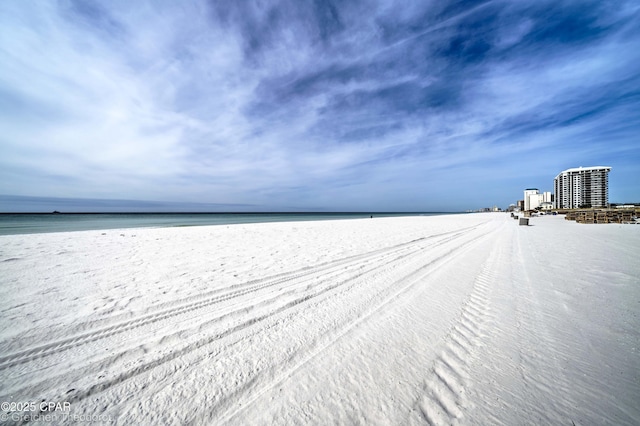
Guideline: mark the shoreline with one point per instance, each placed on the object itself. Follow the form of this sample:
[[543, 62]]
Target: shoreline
[[28, 223]]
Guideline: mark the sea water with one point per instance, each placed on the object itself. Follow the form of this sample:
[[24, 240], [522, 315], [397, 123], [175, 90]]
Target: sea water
[[26, 223]]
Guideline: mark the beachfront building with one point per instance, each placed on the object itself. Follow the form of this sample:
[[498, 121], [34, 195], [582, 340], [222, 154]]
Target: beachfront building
[[530, 194], [546, 203], [582, 187], [533, 199]]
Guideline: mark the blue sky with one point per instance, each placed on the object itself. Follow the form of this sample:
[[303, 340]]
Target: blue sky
[[316, 105]]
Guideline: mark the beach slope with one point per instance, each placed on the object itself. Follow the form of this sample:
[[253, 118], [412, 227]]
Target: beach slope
[[458, 319]]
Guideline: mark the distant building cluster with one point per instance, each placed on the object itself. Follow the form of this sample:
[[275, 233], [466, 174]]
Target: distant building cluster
[[581, 187], [486, 209], [581, 194]]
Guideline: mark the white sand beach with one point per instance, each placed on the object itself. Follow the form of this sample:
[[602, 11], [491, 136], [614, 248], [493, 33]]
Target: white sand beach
[[455, 319]]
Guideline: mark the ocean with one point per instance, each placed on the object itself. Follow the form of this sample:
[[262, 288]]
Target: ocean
[[34, 223]]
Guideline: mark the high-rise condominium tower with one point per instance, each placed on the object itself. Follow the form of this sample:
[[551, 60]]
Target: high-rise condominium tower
[[582, 187]]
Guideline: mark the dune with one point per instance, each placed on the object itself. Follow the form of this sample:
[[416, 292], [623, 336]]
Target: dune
[[454, 319]]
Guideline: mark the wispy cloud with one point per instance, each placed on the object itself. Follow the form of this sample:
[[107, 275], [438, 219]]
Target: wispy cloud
[[286, 104]]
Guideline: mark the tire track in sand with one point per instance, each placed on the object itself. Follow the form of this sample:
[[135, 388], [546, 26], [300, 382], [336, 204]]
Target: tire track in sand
[[415, 248], [443, 395], [400, 286], [177, 352], [191, 347], [180, 308]]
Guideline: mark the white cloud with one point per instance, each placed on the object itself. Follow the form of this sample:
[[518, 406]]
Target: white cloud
[[174, 102]]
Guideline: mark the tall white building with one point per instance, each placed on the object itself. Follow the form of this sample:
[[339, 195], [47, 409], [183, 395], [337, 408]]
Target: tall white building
[[582, 187], [534, 199], [530, 194]]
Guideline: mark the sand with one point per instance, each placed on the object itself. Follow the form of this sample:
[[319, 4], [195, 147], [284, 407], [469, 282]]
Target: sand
[[460, 319]]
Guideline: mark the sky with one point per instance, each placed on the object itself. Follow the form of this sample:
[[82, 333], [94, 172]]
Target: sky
[[314, 105]]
